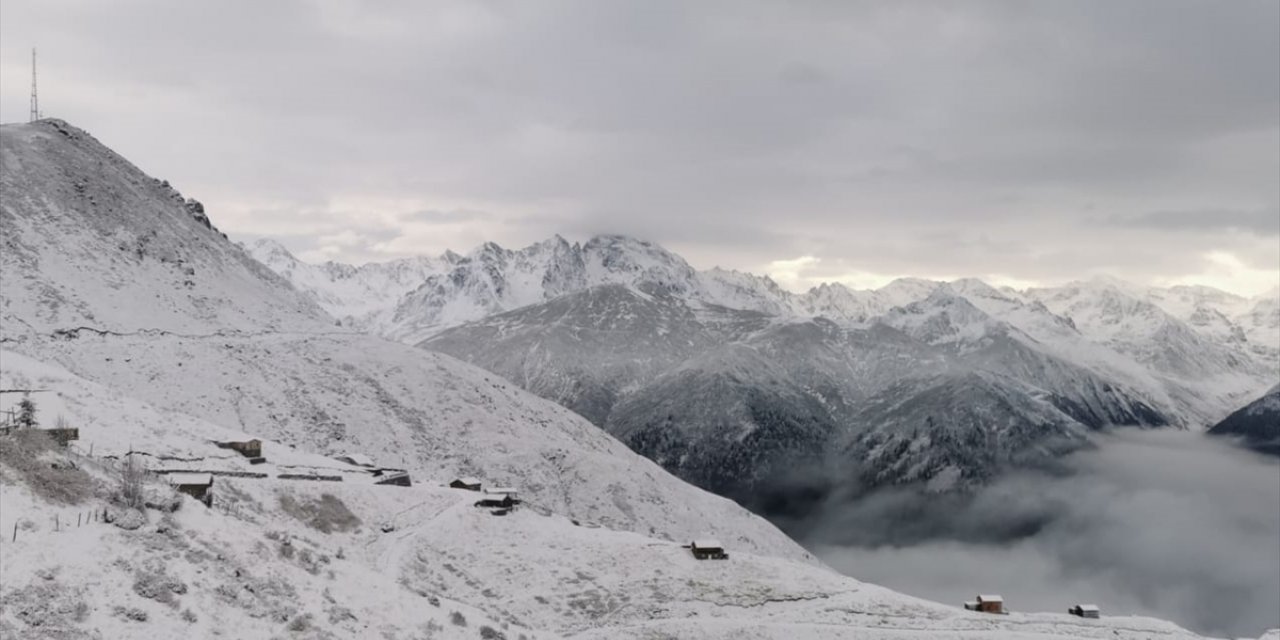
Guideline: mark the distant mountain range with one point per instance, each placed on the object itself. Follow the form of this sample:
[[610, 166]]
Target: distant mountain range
[[755, 392]]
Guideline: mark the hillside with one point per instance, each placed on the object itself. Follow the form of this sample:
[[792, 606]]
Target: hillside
[[289, 558], [90, 240]]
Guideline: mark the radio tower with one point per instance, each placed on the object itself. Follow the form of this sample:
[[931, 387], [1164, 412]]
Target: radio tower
[[35, 99]]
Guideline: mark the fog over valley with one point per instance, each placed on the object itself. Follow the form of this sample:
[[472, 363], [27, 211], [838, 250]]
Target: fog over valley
[[1163, 523]]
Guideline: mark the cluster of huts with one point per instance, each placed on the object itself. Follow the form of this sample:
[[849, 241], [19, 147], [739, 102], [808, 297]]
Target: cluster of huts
[[995, 604], [499, 500]]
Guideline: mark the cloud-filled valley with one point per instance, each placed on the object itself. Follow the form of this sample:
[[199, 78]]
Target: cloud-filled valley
[[1173, 524]]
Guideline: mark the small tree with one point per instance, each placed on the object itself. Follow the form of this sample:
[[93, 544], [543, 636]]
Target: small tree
[[26, 412], [132, 480]]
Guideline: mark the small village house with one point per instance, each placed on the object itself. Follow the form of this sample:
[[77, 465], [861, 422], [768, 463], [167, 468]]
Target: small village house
[[470, 484], [496, 501], [196, 485], [708, 549], [986, 604], [506, 491], [251, 448], [1086, 611]]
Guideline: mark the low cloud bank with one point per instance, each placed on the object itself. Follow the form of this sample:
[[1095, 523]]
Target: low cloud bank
[[1167, 524]]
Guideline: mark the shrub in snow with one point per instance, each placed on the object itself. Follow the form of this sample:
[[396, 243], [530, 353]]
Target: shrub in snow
[[300, 623], [128, 519], [489, 633], [132, 489], [458, 619], [188, 616], [131, 613], [47, 608], [326, 514], [158, 586], [161, 498], [43, 466]]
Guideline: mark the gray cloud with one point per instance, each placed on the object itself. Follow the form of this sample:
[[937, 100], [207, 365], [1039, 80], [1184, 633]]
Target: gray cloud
[[1265, 222], [1174, 525], [742, 133]]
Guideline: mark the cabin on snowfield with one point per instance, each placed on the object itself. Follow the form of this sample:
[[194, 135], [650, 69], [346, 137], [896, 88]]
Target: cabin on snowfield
[[708, 549], [986, 604], [356, 459], [470, 484], [496, 501], [506, 491], [196, 485], [1086, 611], [251, 448]]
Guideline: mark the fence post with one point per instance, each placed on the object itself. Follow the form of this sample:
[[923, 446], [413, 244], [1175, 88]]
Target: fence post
[[15, 531], [55, 522]]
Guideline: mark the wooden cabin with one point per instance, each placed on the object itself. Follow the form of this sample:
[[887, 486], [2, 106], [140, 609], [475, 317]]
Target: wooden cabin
[[196, 485], [251, 448], [496, 501], [708, 549], [470, 484], [506, 491], [1086, 611], [986, 604]]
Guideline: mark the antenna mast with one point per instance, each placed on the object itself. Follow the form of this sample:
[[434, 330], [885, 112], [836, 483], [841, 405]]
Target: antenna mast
[[35, 99]]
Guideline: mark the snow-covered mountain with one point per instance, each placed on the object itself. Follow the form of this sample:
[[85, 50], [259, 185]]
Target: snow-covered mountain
[[1257, 423], [724, 376], [348, 292]]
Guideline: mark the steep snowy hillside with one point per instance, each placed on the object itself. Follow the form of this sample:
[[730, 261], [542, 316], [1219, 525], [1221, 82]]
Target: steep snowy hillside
[[277, 557], [86, 236], [411, 409], [348, 292], [1257, 423]]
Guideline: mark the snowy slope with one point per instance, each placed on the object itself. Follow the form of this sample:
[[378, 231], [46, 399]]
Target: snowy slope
[[409, 409], [86, 236], [415, 562]]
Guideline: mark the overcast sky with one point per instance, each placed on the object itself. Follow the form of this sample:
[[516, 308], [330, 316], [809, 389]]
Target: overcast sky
[[1024, 142]]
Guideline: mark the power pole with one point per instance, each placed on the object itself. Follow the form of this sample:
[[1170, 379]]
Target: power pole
[[35, 98]]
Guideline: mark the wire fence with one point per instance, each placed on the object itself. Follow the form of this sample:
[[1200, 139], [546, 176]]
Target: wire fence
[[59, 521]]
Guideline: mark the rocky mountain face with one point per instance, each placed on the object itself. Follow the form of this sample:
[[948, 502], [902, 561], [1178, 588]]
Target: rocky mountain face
[[1257, 424], [88, 235], [749, 390]]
